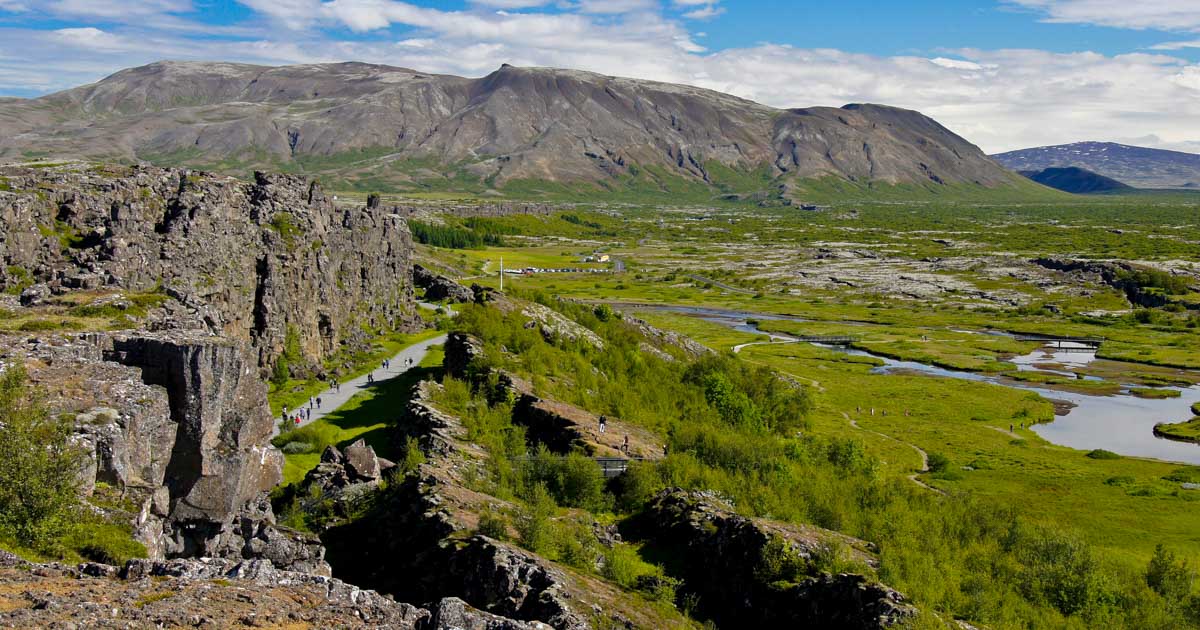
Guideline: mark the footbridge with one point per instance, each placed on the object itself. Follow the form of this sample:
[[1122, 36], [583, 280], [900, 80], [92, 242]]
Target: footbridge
[[1065, 343]]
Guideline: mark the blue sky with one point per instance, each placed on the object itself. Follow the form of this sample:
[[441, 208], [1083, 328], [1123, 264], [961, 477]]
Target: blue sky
[[1004, 73]]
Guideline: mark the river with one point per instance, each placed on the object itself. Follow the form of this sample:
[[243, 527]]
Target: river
[[1121, 423]]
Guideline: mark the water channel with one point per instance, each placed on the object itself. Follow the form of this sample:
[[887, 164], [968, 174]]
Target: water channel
[[1121, 423]]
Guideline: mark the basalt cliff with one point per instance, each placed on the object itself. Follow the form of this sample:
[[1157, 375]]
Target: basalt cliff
[[150, 303]]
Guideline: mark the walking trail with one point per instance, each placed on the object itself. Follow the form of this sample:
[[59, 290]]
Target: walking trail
[[333, 399], [921, 452]]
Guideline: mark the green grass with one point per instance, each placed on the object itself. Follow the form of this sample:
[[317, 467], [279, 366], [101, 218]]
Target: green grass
[[1184, 431], [366, 415], [1146, 392]]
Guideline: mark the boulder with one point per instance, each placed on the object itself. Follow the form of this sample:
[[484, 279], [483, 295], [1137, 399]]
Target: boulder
[[361, 462]]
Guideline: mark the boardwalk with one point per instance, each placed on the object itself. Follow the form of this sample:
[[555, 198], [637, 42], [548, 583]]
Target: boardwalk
[[1065, 343]]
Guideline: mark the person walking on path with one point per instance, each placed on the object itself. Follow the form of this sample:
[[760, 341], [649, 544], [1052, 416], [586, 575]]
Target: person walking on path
[[318, 402], [625, 446], [603, 423]]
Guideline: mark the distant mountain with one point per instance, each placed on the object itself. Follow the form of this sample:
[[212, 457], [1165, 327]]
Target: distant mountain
[[381, 126], [1140, 167], [1075, 180]]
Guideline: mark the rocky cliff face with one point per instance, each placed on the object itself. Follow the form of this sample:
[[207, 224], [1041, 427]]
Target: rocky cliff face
[[178, 423], [247, 261], [515, 123], [173, 409]]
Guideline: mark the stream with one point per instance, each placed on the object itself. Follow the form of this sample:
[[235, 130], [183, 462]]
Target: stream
[[1121, 423]]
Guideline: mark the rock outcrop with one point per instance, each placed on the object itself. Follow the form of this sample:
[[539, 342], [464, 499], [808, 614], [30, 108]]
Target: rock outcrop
[[178, 423], [1116, 274], [419, 542], [248, 261], [212, 592], [438, 287], [722, 558]]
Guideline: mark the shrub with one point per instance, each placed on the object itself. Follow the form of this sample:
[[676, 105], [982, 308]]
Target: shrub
[[1102, 454], [413, 456], [492, 525], [533, 523], [622, 565], [38, 474], [938, 463], [297, 447], [1168, 576]]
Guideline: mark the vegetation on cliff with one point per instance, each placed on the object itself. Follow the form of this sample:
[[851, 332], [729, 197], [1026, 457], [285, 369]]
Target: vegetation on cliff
[[41, 511]]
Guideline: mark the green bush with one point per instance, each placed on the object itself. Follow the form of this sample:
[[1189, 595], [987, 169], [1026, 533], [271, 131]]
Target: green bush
[[938, 463], [533, 523], [412, 457], [105, 543], [39, 490], [623, 566], [1168, 576], [1102, 454], [492, 525]]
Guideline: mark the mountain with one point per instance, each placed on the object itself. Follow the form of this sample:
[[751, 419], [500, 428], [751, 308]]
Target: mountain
[[1140, 167], [1075, 180], [382, 126]]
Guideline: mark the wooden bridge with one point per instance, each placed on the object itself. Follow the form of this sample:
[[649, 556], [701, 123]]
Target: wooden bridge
[[609, 466], [613, 466], [827, 340], [1065, 343]]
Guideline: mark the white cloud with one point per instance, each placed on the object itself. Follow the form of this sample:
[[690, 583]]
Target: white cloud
[[1171, 15], [88, 38], [1177, 45]]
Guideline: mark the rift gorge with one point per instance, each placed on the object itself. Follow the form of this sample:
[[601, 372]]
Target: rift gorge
[[352, 345]]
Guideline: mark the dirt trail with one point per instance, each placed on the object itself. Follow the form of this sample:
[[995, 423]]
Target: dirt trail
[[920, 452]]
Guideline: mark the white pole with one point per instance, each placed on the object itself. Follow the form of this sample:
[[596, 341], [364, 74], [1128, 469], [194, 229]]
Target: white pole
[[502, 274]]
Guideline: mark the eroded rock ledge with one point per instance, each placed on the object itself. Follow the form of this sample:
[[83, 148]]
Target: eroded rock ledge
[[212, 593]]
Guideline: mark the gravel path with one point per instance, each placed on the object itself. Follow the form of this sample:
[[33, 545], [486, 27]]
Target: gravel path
[[332, 399]]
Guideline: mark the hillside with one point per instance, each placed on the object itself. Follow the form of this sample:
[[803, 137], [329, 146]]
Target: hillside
[[519, 129], [1075, 180], [1140, 167]]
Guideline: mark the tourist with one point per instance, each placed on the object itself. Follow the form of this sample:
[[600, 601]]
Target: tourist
[[603, 423], [625, 446], [318, 402]]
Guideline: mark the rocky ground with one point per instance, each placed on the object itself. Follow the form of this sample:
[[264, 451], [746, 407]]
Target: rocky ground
[[212, 594]]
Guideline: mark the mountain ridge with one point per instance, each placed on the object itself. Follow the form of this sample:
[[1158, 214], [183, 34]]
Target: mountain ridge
[[392, 126], [1140, 167]]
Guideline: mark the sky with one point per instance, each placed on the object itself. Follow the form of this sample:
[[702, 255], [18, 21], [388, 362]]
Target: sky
[[1005, 74]]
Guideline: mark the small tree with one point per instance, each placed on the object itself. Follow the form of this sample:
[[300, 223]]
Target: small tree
[[39, 485], [1168, 576]]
